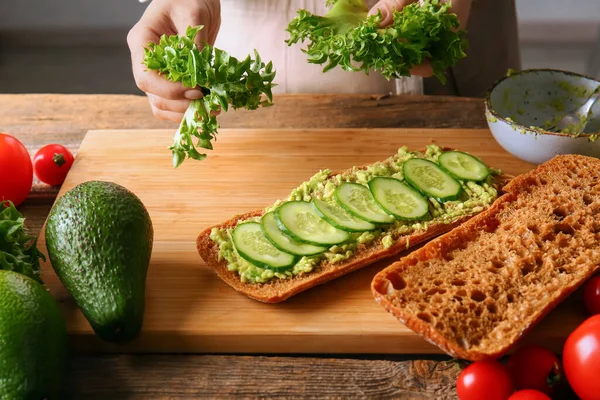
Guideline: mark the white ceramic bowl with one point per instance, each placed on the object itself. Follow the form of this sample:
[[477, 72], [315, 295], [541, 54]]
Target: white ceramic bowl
[[520, 104]]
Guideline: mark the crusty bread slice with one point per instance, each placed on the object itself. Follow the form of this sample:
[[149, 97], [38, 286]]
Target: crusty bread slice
[[475, 291], [278, 290]]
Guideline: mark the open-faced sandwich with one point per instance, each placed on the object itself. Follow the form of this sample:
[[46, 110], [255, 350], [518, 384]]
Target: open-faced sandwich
[[335, 223]]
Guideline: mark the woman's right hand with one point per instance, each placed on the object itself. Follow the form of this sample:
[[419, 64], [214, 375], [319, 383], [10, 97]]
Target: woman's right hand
[[169, 100]]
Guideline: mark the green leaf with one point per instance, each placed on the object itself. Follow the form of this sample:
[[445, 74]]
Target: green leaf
[[224, 80], [18, 251], [348, 38]]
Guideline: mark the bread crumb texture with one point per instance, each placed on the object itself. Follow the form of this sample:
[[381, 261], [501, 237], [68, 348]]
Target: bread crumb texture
[[476, 290]]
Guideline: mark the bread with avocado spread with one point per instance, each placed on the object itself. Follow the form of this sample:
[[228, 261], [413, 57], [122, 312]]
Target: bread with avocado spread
[[336, 223]]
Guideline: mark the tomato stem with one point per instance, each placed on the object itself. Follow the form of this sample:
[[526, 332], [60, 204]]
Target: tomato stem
[[554, 376], [59, 159]]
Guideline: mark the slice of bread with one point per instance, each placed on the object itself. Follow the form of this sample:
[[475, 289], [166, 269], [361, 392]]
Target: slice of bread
[[475, 291], [277, 290]]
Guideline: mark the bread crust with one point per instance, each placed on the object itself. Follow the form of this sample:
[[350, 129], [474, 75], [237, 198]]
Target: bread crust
[[456, 239], [277, 290]]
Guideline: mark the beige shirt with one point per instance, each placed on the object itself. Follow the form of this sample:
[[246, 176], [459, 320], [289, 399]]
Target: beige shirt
[[260, 24]]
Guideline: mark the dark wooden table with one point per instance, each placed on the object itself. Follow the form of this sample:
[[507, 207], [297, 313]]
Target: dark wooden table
[[41, 119]]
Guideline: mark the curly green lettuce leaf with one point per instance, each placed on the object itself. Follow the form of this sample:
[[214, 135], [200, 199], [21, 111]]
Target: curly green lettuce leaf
[[348, 38], [18, 251], [224, 80]]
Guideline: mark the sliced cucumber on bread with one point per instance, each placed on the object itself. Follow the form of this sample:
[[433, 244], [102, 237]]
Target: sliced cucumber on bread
[[358, 201], [430, 179], [463, 166], [284, 242], [300, 220], [398, 199], [253, 246], [340, 218]]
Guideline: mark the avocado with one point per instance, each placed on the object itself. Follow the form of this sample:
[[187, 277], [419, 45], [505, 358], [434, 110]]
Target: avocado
[[33, 340], [99, 239]]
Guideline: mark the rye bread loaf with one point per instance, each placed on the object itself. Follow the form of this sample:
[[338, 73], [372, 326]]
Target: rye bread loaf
[[475, 291], [277, 290]]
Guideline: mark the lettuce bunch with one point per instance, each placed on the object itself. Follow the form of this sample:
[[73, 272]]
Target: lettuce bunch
[[224, 80], [348, 38], [18, 251]]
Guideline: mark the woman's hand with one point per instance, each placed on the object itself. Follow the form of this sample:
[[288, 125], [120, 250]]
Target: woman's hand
[[169, 100], [461, 8]]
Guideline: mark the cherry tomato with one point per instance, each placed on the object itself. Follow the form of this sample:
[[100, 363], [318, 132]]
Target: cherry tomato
[[591, 295], [529, 394], [51, 164], [581, 359], [534, 367], [16, 171], [488, 380]]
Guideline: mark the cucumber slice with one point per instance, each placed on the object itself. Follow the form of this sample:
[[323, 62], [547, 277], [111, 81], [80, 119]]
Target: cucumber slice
[[283, 242], [300, 220], [358, 201], [340, 218], [398, 199], [463, 166], [430, 179], [253, 246]]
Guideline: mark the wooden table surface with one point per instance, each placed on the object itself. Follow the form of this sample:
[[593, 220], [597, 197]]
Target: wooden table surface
[[41, 119]]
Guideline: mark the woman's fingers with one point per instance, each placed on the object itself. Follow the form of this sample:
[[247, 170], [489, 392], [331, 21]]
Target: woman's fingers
[[149, 81], [462, 9], [160, 103], [157, 20], [167, 115], [387, 8], [198, 13], [166, 109], [169, 100]]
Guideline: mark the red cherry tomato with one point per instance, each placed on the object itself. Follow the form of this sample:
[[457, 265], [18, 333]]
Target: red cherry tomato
[[51, 164], [591, 295], [16, 172], [487, 380], [529, 394], [581, 359], [534, 367]]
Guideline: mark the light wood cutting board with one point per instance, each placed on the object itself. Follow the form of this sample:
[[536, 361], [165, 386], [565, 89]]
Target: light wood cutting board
[[189, 309]]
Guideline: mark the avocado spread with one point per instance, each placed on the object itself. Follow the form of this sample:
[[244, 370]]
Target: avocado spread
[[474, 198], [565, 94]]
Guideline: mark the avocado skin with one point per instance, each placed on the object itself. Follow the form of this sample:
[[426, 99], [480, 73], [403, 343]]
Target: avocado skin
[[33, 340], [99, 239]]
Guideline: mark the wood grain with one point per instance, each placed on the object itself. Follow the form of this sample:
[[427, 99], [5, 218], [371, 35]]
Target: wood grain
[[212, 377], [37, 117], [188, 308], [251, 377]]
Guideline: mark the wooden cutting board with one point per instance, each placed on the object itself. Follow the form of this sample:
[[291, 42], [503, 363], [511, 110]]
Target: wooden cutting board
[[189, 309]]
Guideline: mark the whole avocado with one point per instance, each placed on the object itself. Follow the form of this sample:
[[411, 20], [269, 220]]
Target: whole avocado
[[33, 340], [99, 239]]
